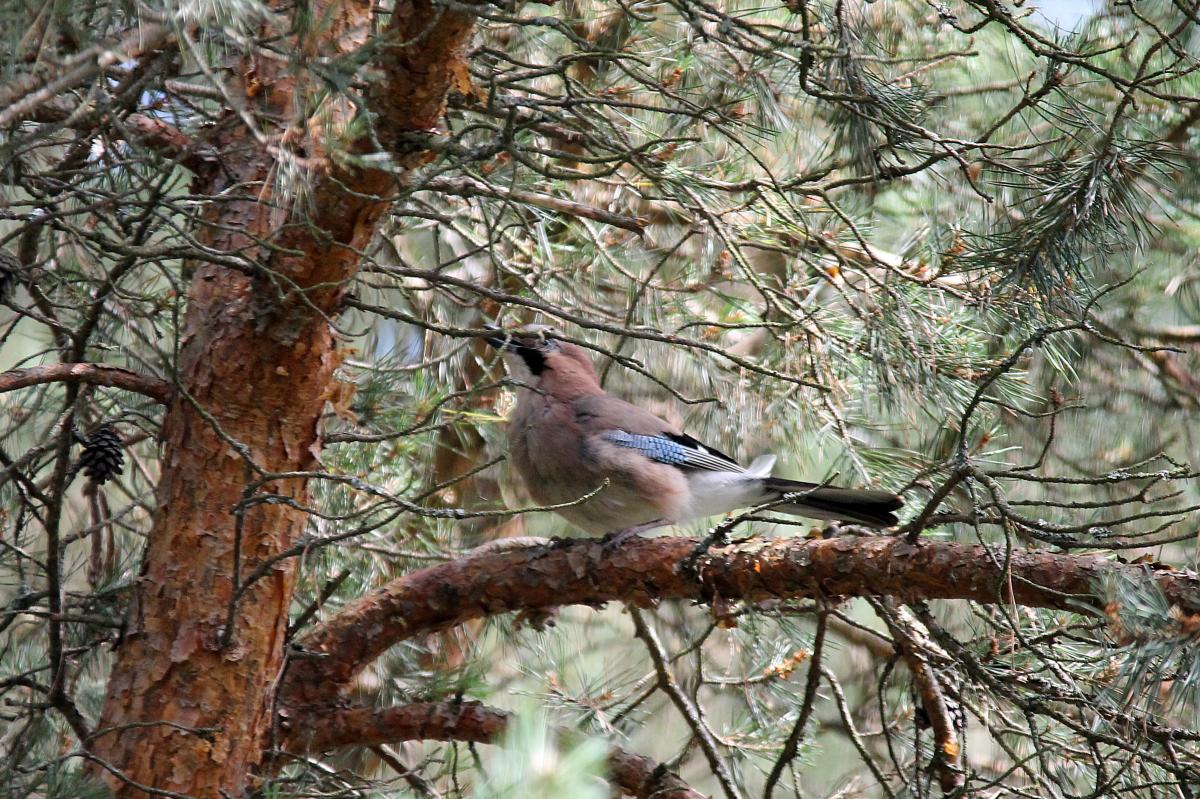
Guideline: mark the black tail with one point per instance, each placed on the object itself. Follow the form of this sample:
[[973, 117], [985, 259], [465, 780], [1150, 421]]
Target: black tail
[[858, 505]]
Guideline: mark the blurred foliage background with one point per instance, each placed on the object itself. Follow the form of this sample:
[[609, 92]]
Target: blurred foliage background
[[942, 248]]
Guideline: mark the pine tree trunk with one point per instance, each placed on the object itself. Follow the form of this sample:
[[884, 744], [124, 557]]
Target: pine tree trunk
[[189, 703], [173, 667]]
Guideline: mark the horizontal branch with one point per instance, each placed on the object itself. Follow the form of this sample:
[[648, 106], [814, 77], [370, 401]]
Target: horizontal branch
[[98, 374], [644, 570], [325, 728], [1181, 334], [467, 187]]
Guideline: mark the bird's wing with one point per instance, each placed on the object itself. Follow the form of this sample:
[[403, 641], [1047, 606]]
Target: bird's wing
[[627, 425]]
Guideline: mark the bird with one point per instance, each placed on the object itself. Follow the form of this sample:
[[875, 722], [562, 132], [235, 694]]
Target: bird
[[617, 470]]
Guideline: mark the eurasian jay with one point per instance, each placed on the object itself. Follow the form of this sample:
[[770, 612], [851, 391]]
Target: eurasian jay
[[568, 436]]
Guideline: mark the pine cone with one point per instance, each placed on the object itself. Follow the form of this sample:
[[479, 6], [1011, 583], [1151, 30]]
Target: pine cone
[[102, 458]]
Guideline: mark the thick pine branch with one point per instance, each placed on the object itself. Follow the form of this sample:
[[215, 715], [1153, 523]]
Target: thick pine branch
[[325, 728], [644, 570]]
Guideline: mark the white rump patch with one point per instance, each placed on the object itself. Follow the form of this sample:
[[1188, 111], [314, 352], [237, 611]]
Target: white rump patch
[[761, 466]]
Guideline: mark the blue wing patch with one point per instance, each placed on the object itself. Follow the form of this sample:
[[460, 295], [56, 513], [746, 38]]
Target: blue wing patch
[[663, 450], [689, 452]]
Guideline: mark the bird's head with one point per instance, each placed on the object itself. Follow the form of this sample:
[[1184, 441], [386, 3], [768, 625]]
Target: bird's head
[[544, 363]]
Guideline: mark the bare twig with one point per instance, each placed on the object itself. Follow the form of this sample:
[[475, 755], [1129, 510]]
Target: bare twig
[[690, 712]]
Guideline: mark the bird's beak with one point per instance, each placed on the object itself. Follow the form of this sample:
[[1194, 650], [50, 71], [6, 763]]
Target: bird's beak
[[501, 341]]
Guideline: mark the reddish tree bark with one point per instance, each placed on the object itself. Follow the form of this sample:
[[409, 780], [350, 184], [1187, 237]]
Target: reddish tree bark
[[331, 727], [98, 374], [255, 370], [645, 570]]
